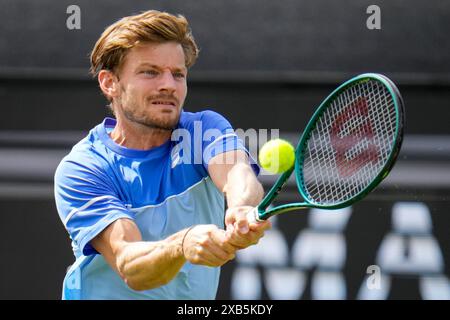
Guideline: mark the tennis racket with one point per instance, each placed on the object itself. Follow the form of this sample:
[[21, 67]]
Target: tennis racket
[[348, 147]]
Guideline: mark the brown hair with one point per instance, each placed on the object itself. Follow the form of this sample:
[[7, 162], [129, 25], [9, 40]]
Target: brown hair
[[149, 26]]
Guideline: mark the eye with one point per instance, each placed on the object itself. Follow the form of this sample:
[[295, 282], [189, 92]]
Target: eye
[[150, 72], [179, 75]]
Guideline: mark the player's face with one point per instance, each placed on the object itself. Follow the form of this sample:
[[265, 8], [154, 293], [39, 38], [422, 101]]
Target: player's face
[[153, 86]]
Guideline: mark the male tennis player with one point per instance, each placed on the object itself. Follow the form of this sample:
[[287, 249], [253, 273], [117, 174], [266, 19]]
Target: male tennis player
[[145, 222]]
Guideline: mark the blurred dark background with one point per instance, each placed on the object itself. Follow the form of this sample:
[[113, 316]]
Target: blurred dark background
[[263, 64]]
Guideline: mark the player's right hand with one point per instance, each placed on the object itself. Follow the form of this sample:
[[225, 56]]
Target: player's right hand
[[240, 233], [207, 245]]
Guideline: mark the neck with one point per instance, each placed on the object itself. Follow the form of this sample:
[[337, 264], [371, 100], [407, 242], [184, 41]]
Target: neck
[[137, 136]]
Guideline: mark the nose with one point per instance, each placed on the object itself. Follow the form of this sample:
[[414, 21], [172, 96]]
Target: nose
[[167, 82]]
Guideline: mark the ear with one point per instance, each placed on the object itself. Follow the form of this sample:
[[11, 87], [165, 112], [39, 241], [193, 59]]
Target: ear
[[109, 84]]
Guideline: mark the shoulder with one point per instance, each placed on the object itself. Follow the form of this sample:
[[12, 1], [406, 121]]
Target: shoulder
[[83, 161], [205, 119]]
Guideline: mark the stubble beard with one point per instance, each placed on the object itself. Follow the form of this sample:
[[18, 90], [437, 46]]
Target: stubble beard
[[148, 119], [152, 122]]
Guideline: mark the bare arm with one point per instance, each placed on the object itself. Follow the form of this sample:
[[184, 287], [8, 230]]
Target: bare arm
[[233, 175], [142, 265], [146, 265]]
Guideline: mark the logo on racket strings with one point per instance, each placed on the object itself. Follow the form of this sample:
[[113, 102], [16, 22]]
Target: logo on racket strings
[[352, 138]]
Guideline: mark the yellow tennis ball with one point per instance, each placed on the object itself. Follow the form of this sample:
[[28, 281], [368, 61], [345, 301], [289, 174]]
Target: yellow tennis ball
[[277, 156]]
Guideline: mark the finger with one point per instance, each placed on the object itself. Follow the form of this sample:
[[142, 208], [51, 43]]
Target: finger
[[238, 217], [220, 239], [229, 229], [251, 238], [229, 218], [206, 256], [260, 226], [255, 237], [216, 257], [205, 260], [201, 249], [241, 222], [237, 240], [214, 251]]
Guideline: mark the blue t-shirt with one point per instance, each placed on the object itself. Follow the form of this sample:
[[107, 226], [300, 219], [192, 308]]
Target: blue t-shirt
[[163, 190]]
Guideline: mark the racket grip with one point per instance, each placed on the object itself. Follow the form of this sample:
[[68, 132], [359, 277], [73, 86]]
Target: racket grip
[[253, 216]]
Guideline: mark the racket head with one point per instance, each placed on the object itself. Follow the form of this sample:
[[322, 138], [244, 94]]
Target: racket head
[[351, 143]]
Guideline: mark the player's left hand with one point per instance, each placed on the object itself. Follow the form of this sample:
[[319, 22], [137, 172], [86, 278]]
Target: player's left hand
[[240, 233]]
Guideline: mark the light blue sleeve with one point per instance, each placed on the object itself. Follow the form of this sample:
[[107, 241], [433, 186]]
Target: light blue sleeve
[[86, 200], [219, 137]]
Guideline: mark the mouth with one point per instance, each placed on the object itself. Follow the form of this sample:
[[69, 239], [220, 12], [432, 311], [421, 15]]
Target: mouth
[[164, 103]]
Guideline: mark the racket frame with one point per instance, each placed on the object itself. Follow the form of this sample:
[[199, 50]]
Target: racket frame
[[260, 212]]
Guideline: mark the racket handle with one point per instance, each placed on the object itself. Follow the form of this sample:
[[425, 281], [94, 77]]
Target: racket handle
[[253, 216]]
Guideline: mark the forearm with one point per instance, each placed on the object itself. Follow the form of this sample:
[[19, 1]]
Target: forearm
[[147, 265], [243, 188]]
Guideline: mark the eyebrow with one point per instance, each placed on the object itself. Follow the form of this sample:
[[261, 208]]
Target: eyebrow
[[147, 64]]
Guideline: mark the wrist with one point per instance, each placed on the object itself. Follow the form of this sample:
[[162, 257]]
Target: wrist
[[183, 250], [249, 196]]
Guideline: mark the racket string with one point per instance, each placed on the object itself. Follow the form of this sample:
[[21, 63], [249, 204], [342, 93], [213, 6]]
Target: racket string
[[350, 143]]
